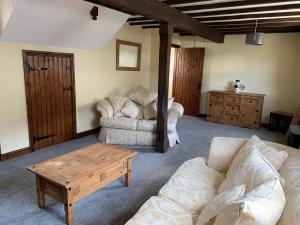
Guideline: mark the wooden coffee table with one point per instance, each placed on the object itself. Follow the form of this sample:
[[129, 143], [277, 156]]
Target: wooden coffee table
[[74, 176]]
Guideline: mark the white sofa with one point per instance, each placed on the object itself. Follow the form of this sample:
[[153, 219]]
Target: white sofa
[[181, 200], [139, 129]]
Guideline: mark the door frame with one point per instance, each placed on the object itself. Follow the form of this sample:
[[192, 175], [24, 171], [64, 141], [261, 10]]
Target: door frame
[[28, 102]]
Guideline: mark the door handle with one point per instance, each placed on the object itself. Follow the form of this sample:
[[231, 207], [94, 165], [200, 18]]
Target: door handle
[[70, 88]]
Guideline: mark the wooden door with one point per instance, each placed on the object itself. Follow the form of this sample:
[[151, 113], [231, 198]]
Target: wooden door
[[187, 81], [50, 94]]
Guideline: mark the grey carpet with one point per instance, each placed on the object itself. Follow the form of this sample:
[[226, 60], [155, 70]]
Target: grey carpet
[[114, 204]]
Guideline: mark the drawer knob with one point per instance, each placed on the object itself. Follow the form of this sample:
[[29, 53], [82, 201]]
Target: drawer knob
[[232, 108], [251, 102], [210, 104], [234, 100], [209, 115]]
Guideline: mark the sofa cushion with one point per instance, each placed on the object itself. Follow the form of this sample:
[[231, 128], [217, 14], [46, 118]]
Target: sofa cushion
[[119, 123], [193, 184], [105, 108], [146, 125], [216, 205], [149, 112], [159, 211], [142, 96], [262, 206], [290, 171], [223, 151], [130, 109], [249, 167], [117, 103]]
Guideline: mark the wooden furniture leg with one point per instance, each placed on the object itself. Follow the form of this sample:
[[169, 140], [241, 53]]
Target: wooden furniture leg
[[40, 190], [128, 175], [69, 206]]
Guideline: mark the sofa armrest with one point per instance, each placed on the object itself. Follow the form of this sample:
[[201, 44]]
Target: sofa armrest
[[105, 108]]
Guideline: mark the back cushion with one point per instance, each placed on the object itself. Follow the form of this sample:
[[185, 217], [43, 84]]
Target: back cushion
[[290, 171], [222, 151]]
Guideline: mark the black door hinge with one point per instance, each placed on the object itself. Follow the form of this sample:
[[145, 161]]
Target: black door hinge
[[35, 139]]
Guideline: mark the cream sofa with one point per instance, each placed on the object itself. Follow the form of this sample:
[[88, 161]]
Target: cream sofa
[[181, 200], [135, 129]]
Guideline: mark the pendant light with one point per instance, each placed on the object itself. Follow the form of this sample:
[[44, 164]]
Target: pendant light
[[255, 38]]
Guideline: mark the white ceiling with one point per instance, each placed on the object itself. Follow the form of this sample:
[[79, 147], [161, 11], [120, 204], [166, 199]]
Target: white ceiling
[[61, 23]]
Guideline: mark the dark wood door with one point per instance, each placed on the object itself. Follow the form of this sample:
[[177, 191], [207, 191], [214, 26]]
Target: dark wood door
[[50, 93], [187, 79]]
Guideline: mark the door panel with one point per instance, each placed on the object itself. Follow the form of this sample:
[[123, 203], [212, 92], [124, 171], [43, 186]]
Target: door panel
[[187, 79], [49, 81]]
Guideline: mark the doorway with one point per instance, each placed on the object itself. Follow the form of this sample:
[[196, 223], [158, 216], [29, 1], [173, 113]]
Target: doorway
[[187, 78], [50, 97]]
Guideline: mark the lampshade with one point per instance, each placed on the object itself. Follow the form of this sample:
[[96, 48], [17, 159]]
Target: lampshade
[[255, 38]]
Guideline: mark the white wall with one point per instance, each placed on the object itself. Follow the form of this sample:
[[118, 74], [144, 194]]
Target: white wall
[[272, 69], [95, 77]]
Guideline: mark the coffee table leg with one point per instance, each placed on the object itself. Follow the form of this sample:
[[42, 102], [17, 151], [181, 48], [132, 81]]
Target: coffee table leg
[[40, 190], [128, 175], [69, 206]]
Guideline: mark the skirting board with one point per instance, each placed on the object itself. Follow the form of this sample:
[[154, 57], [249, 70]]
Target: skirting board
[[27, 150]]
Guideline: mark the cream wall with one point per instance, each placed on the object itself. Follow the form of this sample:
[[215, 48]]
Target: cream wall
[[95, 77], [272, 69]]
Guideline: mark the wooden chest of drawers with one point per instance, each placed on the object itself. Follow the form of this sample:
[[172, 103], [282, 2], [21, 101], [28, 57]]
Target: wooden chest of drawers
[[243, 109]]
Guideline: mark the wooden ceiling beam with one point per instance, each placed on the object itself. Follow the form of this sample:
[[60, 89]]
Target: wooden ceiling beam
[[159, 11], [216, 6], [264, 30], [247, 10], [174, 2], [261, 25], [251, 16], [272, 20]]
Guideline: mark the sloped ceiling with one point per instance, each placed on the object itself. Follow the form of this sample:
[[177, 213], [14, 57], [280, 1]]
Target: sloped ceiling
[[60, 23]]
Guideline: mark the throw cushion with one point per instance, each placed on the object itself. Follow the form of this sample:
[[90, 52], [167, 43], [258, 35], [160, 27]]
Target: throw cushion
[[142, 96], [262, 206], [160, 211], [130, 109], [117, 103], [216, 205], [249, 167], [223, 150], [193, 185], [149, 112]]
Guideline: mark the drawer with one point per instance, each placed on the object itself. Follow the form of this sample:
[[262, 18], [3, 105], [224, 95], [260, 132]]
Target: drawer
[[232, 109], [231, 118], [250, 101], [216, 97], [233, 100]]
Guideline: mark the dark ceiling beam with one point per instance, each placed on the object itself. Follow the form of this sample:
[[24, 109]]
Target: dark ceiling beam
[[265, 30], [272, 20], [173, 2], [216, 6], [250, 16], [275, 30], [159, 11], [247, 10], [260, 25], [144, 23], [218, 11]]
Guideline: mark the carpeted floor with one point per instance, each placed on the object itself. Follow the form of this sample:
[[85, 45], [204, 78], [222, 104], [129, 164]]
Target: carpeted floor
[[115, 204]]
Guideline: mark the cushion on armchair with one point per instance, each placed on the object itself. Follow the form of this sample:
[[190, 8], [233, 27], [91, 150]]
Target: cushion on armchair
[[117, 102], [130, 109], [142, 96]]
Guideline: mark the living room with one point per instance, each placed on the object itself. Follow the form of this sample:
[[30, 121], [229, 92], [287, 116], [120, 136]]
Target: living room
[[91, 56]]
